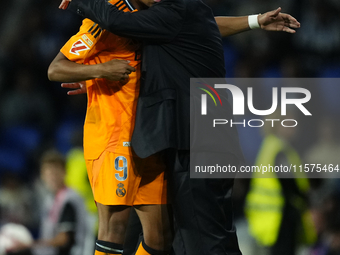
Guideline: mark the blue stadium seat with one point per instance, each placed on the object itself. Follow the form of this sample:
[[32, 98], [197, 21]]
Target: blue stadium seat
[[65, 134], [20, 138], [11, 160], [332, 71]]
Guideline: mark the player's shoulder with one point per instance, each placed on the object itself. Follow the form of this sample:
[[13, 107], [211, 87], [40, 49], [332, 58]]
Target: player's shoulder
[[88, 26], [86, 22], [89, 33]]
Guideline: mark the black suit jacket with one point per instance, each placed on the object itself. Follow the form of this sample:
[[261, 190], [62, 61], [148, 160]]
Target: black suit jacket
[[180, 40]]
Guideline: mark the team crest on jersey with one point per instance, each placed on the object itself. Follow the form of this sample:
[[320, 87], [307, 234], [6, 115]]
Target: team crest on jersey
[[121, 191], [78, 46], [126, 144]]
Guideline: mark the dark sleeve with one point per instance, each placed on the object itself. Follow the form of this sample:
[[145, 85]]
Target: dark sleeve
[[67, 220], [160, 23]]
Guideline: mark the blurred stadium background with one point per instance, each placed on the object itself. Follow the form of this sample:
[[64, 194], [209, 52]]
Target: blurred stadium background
[[36, 114]]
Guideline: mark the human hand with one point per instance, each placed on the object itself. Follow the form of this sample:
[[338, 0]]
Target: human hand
[[77, 88], [115, 70], [64, 3], [277, 21]]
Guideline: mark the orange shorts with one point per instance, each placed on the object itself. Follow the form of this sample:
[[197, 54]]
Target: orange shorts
[[127, 180]]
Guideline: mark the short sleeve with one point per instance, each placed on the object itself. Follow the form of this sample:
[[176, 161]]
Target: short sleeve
[[82, 45]]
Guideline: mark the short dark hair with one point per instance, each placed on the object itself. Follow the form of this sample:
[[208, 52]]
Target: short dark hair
[[53, 157]]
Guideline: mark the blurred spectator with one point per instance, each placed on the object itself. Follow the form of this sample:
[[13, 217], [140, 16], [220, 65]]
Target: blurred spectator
[[276, 206], [326, 217], [77, 179], [63, 227], [76, 173]]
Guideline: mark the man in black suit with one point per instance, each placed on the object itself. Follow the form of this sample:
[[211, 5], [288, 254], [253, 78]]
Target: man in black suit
[[181, 40]]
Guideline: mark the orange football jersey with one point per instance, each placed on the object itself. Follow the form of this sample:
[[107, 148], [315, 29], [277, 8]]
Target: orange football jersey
[[111, 107]]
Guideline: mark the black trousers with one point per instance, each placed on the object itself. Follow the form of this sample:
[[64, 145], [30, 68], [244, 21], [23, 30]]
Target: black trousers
[[202, 209]]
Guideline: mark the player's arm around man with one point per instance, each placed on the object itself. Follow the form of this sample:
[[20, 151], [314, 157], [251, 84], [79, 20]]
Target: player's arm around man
[[62, 69]]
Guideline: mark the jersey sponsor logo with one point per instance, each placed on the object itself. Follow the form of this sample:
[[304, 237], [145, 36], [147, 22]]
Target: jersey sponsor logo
[[126, 144], [120, 191], [87, 40], [78, 46]]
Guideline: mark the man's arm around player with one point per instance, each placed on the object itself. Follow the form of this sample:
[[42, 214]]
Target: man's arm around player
[[166, 20]]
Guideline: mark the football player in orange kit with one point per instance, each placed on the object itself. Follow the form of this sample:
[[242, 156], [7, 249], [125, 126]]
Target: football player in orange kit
[[118, 179]]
